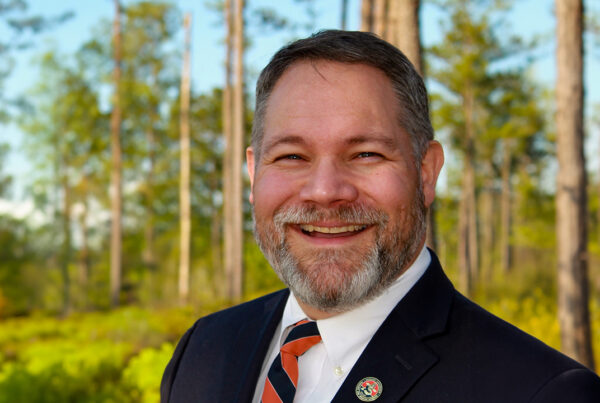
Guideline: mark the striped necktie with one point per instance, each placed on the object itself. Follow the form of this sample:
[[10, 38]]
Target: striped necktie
[[282, 379]]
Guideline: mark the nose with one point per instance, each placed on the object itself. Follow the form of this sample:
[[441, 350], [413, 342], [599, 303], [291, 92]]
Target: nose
[[328, 184]]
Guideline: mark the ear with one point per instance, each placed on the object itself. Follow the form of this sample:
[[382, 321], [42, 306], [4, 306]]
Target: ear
[[431, 165], [250, 168]]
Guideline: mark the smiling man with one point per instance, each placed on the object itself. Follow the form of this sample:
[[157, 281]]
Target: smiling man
[[343, 167]]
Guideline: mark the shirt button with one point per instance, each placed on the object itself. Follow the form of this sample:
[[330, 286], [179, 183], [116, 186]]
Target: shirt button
[[338, 371]]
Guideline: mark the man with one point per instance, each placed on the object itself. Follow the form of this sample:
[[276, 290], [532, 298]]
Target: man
[[343, 167]]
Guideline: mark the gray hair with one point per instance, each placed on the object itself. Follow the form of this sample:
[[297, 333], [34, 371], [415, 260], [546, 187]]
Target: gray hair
[[352, 47]]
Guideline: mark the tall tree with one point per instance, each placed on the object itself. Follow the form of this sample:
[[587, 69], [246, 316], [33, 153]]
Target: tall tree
[[233, 124], [116, 242], [237, 248], [228, 224], [571, 196], [64, 133], [184, 186], [468, 64]]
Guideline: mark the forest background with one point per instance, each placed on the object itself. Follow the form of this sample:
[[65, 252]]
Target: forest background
[[72, 328]]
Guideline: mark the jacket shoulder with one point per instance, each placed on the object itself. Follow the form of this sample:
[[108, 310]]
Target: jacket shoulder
[[497, 356], [204, 351]]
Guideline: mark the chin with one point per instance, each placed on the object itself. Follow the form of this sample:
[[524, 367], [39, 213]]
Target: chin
[[330, 282]]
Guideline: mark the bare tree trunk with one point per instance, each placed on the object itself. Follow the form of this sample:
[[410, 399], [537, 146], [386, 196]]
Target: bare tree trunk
[[571, 198], [116, 187], [66, 252], [380, 18], [228, 226], [405, 26], [488, 225], [464, 263], [184, 184], [505, 209], [148, 252], [344, 14], [148, 255], [470, 184], [216, 252], [366, 15], [84, 257], [238, 154]]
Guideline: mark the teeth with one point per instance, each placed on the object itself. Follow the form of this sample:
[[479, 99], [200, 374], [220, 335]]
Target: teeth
[[332, 230]]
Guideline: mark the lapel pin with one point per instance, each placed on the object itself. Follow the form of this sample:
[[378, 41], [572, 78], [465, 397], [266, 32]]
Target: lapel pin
[[368, 389]]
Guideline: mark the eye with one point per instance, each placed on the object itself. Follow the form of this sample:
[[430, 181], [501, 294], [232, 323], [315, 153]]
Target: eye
[[367, 154], [288, 157]]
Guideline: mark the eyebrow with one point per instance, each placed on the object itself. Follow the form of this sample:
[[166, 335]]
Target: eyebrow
[[289, 139], [360, 139], [373, 138]]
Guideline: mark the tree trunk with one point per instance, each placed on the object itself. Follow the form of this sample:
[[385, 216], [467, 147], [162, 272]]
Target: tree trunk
[[228, 225], [404, 28], [238, 154], [469, 186], [84, 257], [380, 18], [66, 252], [464, 264], [505, 209], [571, 198], [148, 253], [116, 187], [366, 15], [216, 251], [184, 184], [344, 14], [488, 232]]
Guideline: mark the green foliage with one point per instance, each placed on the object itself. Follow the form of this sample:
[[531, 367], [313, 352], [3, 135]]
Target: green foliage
[[96, 357]]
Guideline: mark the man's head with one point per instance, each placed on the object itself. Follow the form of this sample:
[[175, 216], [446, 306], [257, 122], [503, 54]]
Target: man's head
[[354, 48], [343, 168]]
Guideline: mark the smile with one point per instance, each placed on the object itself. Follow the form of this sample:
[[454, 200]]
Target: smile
[[311, 229]]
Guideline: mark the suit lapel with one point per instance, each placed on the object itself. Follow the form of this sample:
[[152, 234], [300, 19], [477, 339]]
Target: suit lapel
[[396, 355], [252, 344]]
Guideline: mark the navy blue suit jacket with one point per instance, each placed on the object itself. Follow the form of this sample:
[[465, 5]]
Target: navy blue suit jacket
[[435, 346]]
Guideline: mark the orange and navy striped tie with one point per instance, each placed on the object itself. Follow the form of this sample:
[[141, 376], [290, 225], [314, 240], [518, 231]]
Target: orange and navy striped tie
[[282, 378]]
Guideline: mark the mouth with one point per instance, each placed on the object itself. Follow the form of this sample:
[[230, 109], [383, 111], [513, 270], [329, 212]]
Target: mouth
[[331, 232]]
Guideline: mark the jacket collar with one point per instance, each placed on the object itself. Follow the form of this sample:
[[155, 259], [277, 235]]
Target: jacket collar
[[397, 355], [254, 340]]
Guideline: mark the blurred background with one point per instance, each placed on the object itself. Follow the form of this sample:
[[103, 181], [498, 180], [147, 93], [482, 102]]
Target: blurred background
[[124, 209]]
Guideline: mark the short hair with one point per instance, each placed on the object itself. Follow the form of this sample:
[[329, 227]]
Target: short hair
[[353, 47]]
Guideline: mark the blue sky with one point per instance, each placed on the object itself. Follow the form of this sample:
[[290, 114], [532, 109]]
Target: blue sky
[[529, 17]]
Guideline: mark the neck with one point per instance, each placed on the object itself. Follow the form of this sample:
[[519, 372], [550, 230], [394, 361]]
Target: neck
[[313, 313]]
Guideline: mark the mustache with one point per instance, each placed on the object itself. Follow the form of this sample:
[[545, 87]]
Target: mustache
[[346, 214]]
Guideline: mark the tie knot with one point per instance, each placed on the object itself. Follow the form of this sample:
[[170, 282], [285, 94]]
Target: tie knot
[[303, 336]]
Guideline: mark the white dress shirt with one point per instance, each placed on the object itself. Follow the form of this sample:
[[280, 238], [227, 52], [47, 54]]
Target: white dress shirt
[[324, 367]]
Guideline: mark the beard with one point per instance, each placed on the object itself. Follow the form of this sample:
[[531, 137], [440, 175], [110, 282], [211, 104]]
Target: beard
[[336, 280]]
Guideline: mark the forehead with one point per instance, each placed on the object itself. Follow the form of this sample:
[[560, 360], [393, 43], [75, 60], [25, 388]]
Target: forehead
[[325, 98]]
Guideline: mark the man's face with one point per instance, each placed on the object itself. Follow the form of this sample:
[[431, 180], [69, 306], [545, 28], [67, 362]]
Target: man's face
[[339, 201]]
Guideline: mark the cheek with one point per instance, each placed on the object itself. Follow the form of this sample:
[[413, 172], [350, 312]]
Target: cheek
[[271, 192], [390, 192]]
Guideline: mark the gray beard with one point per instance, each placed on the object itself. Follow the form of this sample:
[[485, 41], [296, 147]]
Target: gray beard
[[331, 280]]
